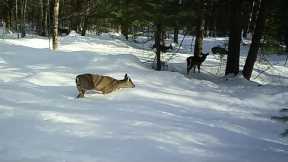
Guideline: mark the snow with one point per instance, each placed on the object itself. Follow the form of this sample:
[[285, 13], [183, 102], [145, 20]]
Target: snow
[[167, 117]]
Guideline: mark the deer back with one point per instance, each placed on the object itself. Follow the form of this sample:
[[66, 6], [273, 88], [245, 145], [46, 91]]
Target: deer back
[[219, 50], [102, 83], [93, 81]]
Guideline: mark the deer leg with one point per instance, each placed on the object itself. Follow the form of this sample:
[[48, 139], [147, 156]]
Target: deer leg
[[198, 68], [188, 66], [188, 70], [81, 93], [106, 91], [194, 67]]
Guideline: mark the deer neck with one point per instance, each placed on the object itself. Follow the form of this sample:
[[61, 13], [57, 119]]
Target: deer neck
[[120, 83]]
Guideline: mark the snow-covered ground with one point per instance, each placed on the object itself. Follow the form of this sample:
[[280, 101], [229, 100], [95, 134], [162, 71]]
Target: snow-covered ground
[[167, 117]]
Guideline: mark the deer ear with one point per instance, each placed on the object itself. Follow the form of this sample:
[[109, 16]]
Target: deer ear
[[126, 76]]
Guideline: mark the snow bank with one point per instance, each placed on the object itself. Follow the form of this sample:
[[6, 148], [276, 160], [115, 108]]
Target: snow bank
[[73, 33]]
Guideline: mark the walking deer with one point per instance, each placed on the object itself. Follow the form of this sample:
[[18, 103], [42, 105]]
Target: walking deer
[[104, 84], [194, 61]]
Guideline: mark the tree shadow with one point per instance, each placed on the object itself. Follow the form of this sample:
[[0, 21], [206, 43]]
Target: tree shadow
[[282, 119]]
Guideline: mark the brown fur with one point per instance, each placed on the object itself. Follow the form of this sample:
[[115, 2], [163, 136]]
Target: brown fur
[[194, 61], [104, 84]]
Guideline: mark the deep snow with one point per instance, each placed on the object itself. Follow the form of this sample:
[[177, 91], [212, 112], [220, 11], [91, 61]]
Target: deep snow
[[167, 117]]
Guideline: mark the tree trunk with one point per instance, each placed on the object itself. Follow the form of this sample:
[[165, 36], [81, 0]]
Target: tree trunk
[[176, 32], [16, 17], [246, 17], [286, 41], [55, 41], [232, 66], [254, 13], [85, 19], [200, 31], [8, 20], [41, 21], [23, 17], [256, 41], [47, 14], [84, 26], [124, 30], [158, 46], [43, 17]]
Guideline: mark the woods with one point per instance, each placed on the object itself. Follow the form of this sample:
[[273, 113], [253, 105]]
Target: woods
[[234, 19]]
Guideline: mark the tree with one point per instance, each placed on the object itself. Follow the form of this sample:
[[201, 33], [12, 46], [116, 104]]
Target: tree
[[232, 66], [55, 41], [43, 21], [85, 19], [200, 29], [256, 40], [157, 35], [23, 17]]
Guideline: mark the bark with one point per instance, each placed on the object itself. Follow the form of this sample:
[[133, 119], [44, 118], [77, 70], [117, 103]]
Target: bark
[[23, 17], [246, 17], [85, 19], [84, 26], [256, 41], [16, 17], [124, 30], [176, 32], [46, 19], [41, 23], [200, 31], [158, 46], [232, 66], [254, 13], [55, 41], [286, 40], [43, 18]]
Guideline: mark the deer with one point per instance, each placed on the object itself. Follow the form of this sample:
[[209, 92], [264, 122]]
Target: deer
[[101, 83], [220, 50], [163, 48], [194, 61]]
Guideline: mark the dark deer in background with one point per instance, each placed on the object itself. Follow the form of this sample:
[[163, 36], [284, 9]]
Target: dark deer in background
[[222, 52], [194, 61], [104, 84], [219, 50], [163, 48]]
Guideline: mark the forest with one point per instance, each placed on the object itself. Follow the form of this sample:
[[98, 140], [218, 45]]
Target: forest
[[265, 21], [143, 80]]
